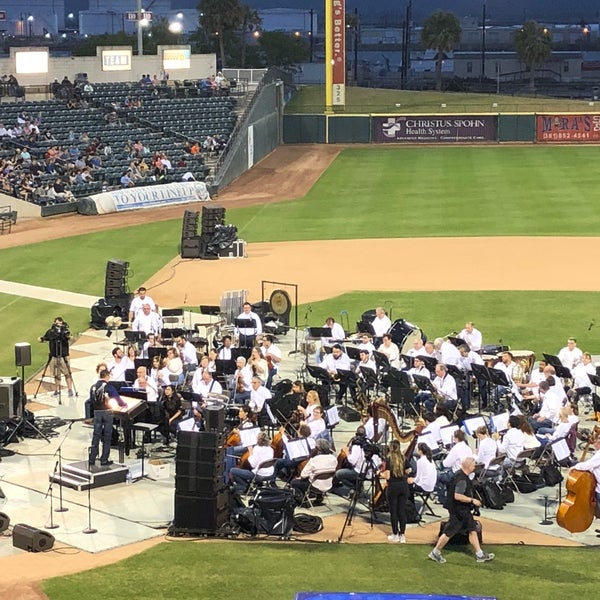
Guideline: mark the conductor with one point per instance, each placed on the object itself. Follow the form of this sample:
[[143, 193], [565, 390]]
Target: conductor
[[58, 337]]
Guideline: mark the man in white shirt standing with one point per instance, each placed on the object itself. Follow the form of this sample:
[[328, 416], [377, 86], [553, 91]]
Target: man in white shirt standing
[[381, 324], [471, 336], [272, 355], [570, 356], [247, 335], [117, 366], [187, 352], [138, 302]]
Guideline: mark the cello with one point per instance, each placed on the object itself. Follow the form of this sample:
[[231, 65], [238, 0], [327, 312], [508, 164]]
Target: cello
[[576, 512]]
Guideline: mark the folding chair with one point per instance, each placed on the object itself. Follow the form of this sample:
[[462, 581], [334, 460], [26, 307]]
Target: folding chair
[[258, 480], [425, 508], [518, 465], [307, 498], [493, 469]]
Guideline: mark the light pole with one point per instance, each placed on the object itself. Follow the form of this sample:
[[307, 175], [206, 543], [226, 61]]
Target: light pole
[[482, 76], [140, 40], [30, 22]]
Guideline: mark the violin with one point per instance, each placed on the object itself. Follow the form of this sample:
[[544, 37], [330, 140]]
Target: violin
[[576, 512]]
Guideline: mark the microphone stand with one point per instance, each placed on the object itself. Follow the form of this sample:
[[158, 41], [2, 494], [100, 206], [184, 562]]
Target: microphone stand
[[89, 529], [52, 525], [62, 508]]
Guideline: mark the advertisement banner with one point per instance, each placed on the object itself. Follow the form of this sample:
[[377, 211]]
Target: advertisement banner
[[568, 128], [143, 197], [427, 129], [338, 60]]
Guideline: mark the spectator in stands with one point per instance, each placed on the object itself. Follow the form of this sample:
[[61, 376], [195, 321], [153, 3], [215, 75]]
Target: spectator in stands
[[60, 191], [25, 155], [55, 89], [3, 131], [155, 80], [126, 180], [88, 88], [13, 85], [107, 149], [164, 77]]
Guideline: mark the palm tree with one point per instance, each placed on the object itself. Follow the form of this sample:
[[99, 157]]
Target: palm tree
[[532, 44], [249, 22], [441, 32], [218, 18]]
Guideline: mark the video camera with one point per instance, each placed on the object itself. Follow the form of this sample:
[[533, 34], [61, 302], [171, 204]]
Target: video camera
[[61, 328], [368, 447]]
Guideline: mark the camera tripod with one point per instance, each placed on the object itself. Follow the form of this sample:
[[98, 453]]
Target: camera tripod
[[57, 375], [368, 467]]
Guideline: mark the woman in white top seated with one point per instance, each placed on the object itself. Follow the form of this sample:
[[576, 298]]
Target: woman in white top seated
[[259, 454], [486, 448], [426, 475], [548, 435]]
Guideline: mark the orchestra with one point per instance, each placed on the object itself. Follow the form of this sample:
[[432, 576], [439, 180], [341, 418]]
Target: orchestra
[[445, 382]]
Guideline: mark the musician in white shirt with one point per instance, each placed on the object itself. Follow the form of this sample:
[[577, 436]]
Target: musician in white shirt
[[418, 348], [272, 355], [225, 351], [337, 332], [138, 302], [242, 381], [206, 384], [187, 353], [258, 396], [390, 350], [419, 368], [426, 475], [486, 447], [445, 385], [512, 441], [551, 404], [381, 323], [147, 321], [471, 336], [570, 356], [448, 352], [143, 382], [593, 466], [317, 424], [338, 359], [581, 377], [247, 335], [117, 366], [366, 343], [452, 463]]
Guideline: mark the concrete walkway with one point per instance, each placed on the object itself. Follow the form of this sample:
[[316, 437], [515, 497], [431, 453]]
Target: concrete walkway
[[47, 294]]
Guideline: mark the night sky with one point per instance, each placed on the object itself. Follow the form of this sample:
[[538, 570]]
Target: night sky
[[498, 11]]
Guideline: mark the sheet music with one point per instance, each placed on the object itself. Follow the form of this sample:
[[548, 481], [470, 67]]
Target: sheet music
[[499, 422], [560, 449], [332, 416], [447, 434], [131, 404], [427, 438], [472, 424], [297, 449], [187, 425], [248, 436]]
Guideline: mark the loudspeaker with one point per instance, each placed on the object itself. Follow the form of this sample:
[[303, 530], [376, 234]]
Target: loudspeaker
[[214, 418], [117, 269], [4, 522], [348, 414], [31, 539], [22, 354], [199, 439], [190, 247], [189, 227], [201, 515], [115, 283], [10, 398]]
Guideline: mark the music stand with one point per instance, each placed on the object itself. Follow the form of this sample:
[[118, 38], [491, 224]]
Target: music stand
[[455, 372], [362, 327], [397, 378], [369, 377], [552, 360], [225, 367], [498, 377], [156, 351], [319, 332], [243, 351], [245, 323], [318, 373], [457, 342], [409, 361], [595, 379], [353, 352], [381, 361], [429, 361], [562, 372], [135, 337], [142, 362], [481, 372], [424, 383], [347, 377], [212, 310]]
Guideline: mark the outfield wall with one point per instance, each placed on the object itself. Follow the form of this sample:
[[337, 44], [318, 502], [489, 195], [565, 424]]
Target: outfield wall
[[376, 129]]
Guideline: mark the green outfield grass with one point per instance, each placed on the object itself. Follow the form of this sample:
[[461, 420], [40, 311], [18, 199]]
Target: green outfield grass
[[311, 99], [439, 191], [259, 571]]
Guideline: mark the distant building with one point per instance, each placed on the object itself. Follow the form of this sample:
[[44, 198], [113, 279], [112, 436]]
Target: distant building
[[32, 18]]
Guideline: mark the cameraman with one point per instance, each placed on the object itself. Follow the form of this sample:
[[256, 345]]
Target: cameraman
[[362, 457], [58, 344]]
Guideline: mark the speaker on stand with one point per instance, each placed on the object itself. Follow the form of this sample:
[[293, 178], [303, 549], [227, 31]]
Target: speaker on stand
[[23, 359]]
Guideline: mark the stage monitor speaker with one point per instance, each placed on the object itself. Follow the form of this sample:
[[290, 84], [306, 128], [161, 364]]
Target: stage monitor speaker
[[214, 418], [22, 354], [4, 522], [348, 414], [32, 539], [200, 439], [10, 397], [200, 515]]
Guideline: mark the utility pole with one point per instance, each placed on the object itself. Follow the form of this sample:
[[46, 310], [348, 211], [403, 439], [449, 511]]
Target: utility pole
[[140, 37], [482, 76]]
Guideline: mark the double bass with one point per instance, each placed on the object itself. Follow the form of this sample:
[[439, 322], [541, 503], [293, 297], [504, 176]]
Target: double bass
[[576, 512]]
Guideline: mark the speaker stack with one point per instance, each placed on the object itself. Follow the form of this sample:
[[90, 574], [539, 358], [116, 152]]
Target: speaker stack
[[190, 240], [201, 497], [117, 298], [11, 404]]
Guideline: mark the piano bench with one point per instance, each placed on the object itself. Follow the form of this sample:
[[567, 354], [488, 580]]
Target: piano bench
[[147, 428]]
